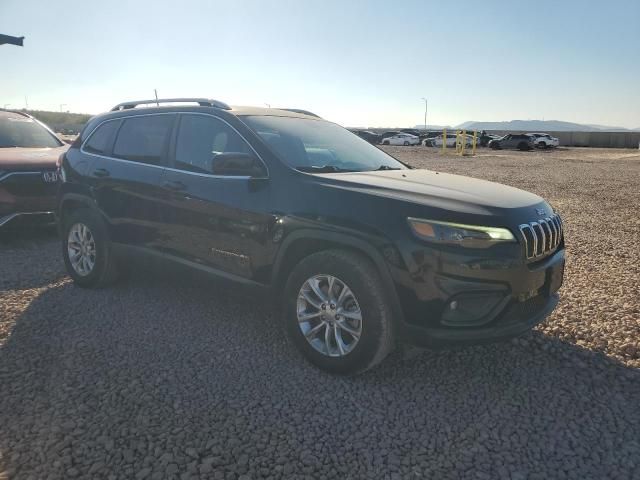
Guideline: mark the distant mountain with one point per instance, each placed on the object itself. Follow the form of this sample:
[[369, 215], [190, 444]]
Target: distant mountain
[[539, 125]]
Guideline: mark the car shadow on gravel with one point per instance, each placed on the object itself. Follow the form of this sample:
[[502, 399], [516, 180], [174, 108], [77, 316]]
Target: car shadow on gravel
[[164, 375]]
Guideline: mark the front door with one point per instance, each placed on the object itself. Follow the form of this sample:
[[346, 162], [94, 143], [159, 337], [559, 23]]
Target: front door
[[222, 222]]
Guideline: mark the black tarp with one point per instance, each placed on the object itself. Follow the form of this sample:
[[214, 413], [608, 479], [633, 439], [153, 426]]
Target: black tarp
[[11, 40]]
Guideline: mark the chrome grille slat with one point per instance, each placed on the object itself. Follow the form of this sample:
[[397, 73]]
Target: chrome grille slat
[[554, 232], [541, 237]]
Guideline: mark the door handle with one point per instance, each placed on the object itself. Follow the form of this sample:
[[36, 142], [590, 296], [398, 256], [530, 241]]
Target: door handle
[[176, 186], [101, 172]]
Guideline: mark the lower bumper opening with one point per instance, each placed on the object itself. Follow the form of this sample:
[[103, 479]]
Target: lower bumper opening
[[517, 318]]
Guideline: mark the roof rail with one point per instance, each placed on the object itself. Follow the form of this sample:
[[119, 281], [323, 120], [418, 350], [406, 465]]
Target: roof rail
[[203, 102]]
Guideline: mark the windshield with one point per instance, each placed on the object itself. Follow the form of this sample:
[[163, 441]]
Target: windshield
[[25, 133], [319, 146]]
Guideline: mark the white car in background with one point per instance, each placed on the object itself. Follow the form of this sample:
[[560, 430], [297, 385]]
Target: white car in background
[[544, 140], [402, 139]]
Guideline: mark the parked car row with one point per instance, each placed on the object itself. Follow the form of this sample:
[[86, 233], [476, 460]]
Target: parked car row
[[410, 136]]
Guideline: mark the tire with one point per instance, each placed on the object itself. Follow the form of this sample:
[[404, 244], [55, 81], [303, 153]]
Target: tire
[[103, 270], [523, 146], [542, 145], [406, 144], [358, 275], [385, 142]]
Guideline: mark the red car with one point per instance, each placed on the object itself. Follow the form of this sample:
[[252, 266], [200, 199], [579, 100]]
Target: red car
[[28, 173]]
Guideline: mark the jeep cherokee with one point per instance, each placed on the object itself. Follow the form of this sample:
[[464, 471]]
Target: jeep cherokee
[[362, 250]]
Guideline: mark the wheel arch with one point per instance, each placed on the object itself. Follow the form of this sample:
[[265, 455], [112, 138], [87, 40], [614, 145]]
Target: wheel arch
[[302, 243], [70, 202]]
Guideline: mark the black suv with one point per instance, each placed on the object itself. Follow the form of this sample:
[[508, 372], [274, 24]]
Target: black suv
[[361, 249], [513, 141]]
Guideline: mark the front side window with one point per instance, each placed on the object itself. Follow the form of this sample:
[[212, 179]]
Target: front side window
[[24, 132], [143, 139], [98, 143], [201, 138], [319, 146]]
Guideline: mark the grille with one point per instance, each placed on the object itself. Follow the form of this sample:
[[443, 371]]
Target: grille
[[541, 237]]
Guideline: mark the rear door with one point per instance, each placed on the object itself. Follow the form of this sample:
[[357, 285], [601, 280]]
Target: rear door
[[126, 178], [219, 221]]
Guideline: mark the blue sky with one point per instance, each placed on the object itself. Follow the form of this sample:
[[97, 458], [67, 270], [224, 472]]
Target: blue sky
[[359, 63]]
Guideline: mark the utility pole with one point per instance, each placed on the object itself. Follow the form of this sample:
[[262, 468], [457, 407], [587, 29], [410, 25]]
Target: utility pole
[[155, 91], [425, 114], [26, 103], [62, 105]]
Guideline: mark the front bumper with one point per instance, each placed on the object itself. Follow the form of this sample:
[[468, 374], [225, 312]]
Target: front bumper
[[452, 299], [26, 199]]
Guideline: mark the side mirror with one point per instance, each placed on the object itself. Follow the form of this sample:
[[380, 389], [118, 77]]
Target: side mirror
[[237, 164]]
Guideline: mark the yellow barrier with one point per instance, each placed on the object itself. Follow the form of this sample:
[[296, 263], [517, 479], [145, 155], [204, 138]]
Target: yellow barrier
[[461, 143]]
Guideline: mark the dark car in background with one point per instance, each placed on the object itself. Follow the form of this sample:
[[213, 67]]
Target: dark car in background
[[512, 141], [388, 134], [484, 138], [28, 173], [359, 250], [369, 136], [413, 131]]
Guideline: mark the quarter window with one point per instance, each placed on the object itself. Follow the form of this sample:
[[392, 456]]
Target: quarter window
[[143, 139], [99, 141], [201, 138]]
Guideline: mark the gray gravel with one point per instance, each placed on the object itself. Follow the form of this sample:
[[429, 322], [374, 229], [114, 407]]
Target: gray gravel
[[165, 377]]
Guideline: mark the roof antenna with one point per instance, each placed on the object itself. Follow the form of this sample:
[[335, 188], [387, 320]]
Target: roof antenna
[[156, 92]]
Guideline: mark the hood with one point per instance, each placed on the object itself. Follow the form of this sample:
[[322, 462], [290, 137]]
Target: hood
[[438, 190], [30, 158]]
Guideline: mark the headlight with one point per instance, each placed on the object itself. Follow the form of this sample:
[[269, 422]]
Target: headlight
[[473, 236]]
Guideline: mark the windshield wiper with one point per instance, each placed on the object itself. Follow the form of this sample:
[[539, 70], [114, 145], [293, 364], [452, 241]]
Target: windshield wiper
[[385, 167], [323, 169]]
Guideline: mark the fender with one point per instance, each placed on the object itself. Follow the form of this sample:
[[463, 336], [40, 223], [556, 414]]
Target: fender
[[349, 241], [76, 197]]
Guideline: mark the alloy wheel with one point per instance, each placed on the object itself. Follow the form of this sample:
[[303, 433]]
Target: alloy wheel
[[329, 315], [81, 247]]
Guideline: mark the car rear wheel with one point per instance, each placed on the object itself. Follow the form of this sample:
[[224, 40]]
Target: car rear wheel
[[542, 145], [523, 146], [386, 142], [337, 313], [86, 250], [406, 144]]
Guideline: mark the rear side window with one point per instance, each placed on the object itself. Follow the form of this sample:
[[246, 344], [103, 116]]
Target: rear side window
[[143, 139], [201, 138], [100, 140]]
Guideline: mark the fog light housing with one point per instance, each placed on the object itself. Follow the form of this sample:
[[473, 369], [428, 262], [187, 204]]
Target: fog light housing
[[472, 309]]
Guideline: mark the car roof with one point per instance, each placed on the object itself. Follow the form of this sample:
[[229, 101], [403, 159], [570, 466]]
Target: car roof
[[13, 114]]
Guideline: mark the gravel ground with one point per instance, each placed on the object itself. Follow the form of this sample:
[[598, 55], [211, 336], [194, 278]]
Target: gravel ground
[[165, 377]]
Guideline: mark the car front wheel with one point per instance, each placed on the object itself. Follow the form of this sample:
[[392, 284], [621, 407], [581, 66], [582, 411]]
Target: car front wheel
[[337, 313]]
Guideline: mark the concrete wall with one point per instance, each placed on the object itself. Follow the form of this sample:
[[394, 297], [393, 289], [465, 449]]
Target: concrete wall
[[592, 139]]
